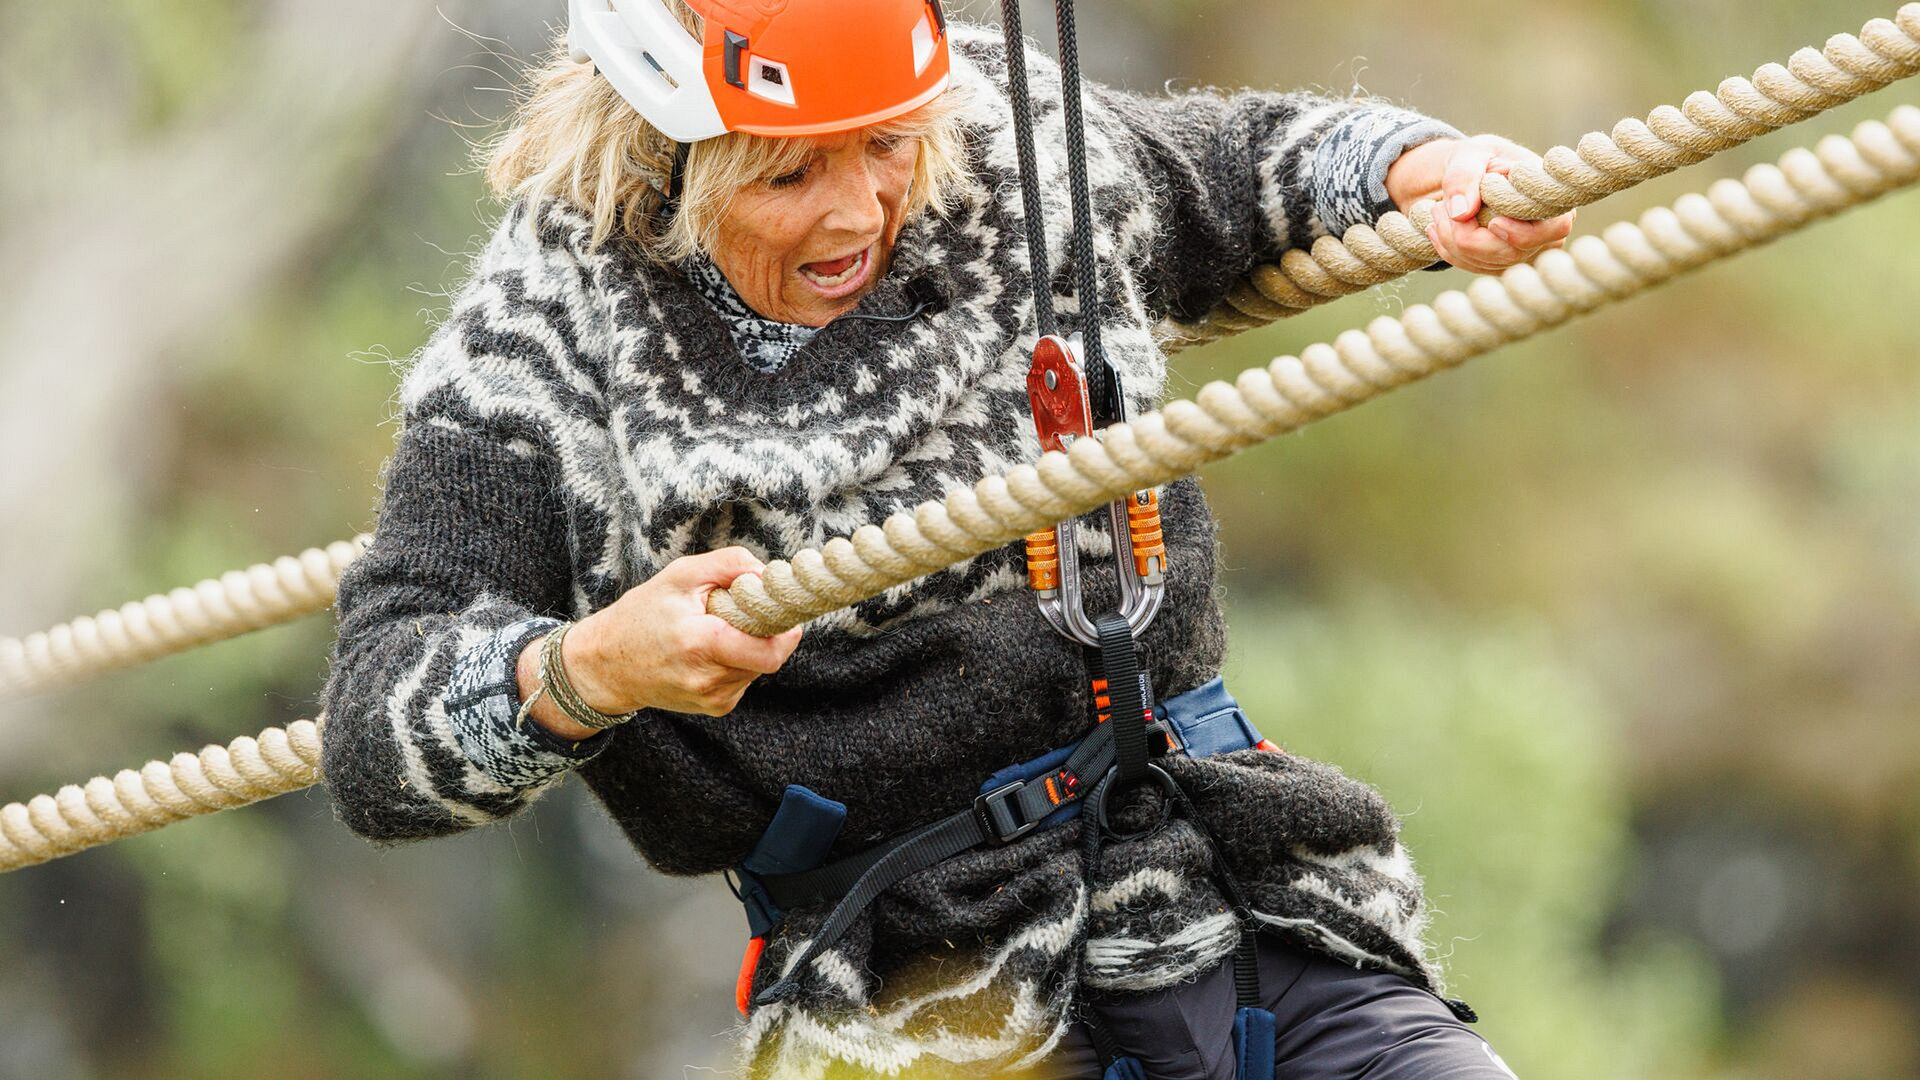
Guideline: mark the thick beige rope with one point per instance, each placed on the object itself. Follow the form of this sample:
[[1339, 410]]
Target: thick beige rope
[[1324, 379], [244, 771], [1810, 83], [1158, 447], [238, 601]]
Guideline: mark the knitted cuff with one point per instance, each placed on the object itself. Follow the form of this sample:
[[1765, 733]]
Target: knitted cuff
[[1350, 164], [483, 703]]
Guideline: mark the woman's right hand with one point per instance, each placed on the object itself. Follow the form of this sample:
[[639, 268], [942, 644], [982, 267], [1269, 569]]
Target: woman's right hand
[[657, 647]]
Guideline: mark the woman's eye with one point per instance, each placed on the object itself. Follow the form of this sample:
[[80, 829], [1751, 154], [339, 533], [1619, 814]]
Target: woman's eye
[[785, 180], [884, 146]]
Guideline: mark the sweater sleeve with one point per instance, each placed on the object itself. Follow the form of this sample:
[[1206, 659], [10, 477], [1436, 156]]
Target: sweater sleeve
[[469, 563], [1238, 179]]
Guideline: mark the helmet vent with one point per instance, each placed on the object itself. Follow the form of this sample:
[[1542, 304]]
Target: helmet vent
[[769, 79], [672, 83], [925, 36]]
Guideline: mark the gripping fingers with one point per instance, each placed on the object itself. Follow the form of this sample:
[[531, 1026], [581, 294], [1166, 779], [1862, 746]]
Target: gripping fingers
[[1532, 236], [720, 695], [1501, 243], [731, 648], [736, 659], [1467, 245]]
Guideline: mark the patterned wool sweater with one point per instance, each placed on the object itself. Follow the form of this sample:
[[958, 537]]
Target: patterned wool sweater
[[583, 417]]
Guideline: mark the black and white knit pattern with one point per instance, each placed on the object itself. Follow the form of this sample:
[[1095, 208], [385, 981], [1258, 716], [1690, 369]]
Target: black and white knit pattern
[[583, 418], [483, 706], [1363, 145], [765, 345]]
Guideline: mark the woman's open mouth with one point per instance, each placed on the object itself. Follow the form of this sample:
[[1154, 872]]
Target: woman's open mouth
[[835, 278]]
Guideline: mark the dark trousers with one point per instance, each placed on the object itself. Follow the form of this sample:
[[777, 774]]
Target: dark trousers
[[1335, 1023]]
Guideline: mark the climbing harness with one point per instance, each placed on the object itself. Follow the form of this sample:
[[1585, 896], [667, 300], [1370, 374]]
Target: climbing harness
[[786, 868]]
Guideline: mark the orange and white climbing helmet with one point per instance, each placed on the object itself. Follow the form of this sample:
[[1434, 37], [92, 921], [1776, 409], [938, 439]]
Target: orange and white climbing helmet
[[768, 67]]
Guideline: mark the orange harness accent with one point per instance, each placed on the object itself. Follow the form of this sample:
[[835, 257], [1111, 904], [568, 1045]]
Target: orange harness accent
[[743, 986]]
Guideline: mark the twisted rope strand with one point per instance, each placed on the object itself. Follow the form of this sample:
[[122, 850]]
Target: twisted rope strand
[[1158, 447], [76, 817], [1811, 82], [238, 601]]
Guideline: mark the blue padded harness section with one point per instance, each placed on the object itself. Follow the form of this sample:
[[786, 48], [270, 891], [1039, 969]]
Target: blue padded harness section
[[1207, 720], [1125, 1068], [798, 838], [1254, 1034]]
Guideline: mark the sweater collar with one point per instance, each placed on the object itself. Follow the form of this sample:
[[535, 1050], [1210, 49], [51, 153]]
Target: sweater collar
[[765, 345]]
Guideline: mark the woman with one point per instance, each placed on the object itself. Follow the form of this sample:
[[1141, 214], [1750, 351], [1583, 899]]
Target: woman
[[763, 278]]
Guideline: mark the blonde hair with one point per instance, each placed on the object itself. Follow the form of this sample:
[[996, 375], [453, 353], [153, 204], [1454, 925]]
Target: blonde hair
[[573, 138]]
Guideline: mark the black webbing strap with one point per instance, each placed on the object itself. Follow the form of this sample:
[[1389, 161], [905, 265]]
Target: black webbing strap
[[1120, 666], [1246, 969], [941, 840], [1014, 809], [1005, 814], [1246, 966], [1105, 1049], [853, 883], [676, 177]]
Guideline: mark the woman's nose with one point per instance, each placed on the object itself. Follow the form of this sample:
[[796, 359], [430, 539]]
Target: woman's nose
[[856, 206]]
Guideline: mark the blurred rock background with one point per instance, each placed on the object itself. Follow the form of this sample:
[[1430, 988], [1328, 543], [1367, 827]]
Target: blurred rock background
[[1624, 620]]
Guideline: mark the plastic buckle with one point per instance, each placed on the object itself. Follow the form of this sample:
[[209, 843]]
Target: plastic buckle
[[1000, 816], [1176, 742]]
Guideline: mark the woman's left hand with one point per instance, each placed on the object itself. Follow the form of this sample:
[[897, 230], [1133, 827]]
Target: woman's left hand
[[1449, 171]]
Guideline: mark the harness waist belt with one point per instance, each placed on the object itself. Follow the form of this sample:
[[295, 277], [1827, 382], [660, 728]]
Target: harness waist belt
[[1013, 802]]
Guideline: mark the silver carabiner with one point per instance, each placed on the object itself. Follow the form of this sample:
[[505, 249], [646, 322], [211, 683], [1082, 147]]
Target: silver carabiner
[[1057, 388]]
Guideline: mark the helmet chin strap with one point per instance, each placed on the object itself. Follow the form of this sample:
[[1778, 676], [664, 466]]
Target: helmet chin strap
[[676, 178]]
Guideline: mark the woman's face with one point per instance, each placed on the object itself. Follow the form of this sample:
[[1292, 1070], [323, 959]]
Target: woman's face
[[804, 247]]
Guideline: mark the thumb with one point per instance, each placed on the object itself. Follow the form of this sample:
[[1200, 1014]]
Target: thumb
[[713, 569], [1460, 185]]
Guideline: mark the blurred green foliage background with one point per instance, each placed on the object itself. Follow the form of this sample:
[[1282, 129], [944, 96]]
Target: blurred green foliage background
[[1624, 620]]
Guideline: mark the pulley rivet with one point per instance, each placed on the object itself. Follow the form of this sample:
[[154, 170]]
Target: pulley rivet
[[1053, 380]]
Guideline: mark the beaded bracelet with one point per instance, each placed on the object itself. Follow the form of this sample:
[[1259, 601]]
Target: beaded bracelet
[[558, 685]]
